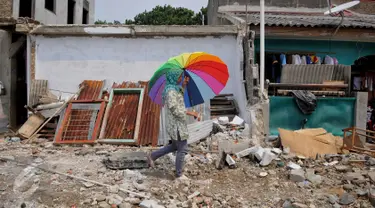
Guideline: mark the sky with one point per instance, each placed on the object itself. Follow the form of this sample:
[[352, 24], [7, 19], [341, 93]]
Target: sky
[[126, 9]]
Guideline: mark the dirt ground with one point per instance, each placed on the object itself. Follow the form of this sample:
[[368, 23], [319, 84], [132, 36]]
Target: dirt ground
[[247, 185]]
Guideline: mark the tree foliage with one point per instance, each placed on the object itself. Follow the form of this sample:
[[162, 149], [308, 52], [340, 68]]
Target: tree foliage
[[166, 15]]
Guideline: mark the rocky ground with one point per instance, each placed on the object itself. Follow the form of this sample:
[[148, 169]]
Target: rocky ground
[[288, 181]]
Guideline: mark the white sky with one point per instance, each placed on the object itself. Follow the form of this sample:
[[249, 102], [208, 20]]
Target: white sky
[[120, 10]]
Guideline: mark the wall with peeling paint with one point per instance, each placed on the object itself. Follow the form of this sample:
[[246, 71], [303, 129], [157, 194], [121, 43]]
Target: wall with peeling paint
[[345, 52], [66, 61]]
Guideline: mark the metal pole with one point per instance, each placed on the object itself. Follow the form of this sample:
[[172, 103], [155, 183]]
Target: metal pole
[[262, 46]]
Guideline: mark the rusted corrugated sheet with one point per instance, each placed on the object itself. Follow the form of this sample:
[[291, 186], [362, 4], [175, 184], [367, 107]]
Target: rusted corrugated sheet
[[150, 120], [314, 74], [93, 90], [123, 113]]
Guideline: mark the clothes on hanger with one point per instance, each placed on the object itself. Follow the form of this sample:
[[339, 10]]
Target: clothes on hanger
[[283, 59]]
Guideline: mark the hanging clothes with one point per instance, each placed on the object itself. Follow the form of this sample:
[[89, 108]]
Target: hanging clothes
[[314, 59], [335, 61], [289, 59], [296, 60], [357, 82], [328, 60], [303, 60], [308, 60], [319, 60], [283, 59]]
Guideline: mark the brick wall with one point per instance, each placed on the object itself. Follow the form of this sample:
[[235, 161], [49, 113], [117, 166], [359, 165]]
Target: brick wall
[[6, 8]]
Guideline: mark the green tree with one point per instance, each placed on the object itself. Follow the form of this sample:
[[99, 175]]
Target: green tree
[[201, 16], [101, 22], [168, 15]]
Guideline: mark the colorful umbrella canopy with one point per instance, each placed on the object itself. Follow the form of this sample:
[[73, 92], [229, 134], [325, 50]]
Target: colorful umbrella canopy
[[208, 76]]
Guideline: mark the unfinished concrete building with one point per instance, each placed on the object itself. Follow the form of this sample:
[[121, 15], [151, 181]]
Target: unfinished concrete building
[[13, 47], [50, 11]]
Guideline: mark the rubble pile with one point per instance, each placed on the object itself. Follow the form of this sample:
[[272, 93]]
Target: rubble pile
[[224, 170]]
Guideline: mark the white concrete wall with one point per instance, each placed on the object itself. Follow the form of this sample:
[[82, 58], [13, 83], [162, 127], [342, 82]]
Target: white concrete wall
[[66, 61], [61, 15]]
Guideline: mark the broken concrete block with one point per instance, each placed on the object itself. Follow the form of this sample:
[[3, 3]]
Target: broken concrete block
[[223, 120], [267, 158], [230, 161], [277, 151], [353, 176], [237, 121], [346, 199], [314, 179], [220, 162], [293, 166], [126, 160], [150, 204], [297, 175], [247, 152], [259, 153]]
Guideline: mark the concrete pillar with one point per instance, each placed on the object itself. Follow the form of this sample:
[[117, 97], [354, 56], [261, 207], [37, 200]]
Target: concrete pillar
[[361, 112], [361, 109], [5, 78], [212, 10]]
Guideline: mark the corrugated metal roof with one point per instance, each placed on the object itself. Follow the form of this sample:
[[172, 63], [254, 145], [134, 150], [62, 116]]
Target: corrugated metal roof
[[38, 88], [93, 90], [289, 20], [313, 73], [123, 113]]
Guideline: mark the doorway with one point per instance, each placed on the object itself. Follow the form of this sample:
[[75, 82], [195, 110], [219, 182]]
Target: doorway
[[18, 94], [85, 16]]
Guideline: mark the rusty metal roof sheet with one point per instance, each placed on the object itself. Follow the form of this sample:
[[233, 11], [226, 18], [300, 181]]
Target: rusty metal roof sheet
[[300, 20], [123, 113], [93, 90]]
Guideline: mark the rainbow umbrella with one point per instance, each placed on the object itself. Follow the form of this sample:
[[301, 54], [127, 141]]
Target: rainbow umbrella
[[208, 76]]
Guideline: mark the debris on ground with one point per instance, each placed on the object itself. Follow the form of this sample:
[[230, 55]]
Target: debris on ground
[[224, 166]]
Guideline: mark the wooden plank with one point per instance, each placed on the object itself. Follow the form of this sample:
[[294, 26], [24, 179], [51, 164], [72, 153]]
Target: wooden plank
[[31, 125]]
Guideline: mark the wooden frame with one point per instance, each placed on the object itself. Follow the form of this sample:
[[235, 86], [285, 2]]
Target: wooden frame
[[115, 91], [352, 142], [97, 106]]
